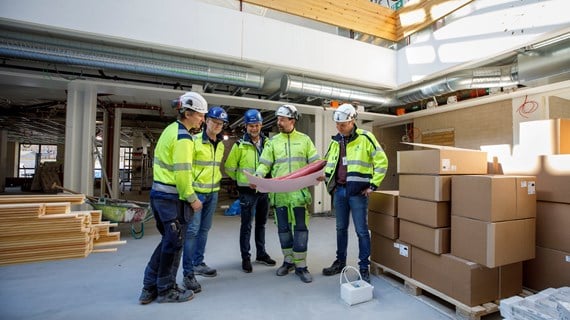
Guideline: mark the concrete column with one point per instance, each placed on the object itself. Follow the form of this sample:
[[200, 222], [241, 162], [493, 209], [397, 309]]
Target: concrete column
[[116, 152], [3, 158], [79, 135]]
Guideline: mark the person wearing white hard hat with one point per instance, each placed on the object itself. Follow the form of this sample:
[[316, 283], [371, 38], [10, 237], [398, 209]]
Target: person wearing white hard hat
[[356, 165], [286, 152], [173, 200]]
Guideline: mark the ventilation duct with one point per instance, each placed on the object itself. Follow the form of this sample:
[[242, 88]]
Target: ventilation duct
[[487, 77], [330, 90], [38, 48], [544, 65]]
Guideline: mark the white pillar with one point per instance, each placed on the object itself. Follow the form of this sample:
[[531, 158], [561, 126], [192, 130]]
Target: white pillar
[[116, 152], [3, 158], [79, 134]]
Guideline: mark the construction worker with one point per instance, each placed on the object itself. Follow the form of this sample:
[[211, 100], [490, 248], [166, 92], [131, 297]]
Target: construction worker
[[356, 165], [173, 200], [284, 153], [208, 154], [244, 157]]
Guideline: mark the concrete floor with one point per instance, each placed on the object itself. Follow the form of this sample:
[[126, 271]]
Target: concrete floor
[[107, 285]]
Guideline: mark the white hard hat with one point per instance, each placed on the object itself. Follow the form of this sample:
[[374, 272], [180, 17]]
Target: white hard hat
[[288, 111], [344, 113], [191, 100]]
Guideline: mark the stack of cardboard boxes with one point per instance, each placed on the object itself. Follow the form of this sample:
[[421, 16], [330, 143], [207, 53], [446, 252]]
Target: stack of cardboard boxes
[[426, 212], [544, 151]]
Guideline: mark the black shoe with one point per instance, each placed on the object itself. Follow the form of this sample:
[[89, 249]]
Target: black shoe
[[365, 274], [191, 283], [203, 270], [246, 265], [335, 268], [175, 295], [304, 274], [148, 295], [285, 269], [266, 260]]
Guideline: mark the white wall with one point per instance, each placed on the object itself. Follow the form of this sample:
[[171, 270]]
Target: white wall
[[210, 31]]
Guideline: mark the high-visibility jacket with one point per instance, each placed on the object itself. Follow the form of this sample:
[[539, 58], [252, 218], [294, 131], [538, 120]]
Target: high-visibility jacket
[[283, 154], [365, 159], [243, 157], [206, 164], [172, 167]]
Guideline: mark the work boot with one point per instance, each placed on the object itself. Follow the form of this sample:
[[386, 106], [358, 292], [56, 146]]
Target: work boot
[[148, 295], [335, 268], [266, 260], [304, 274], [246, 265], [285, 268], [191, 283], [175, 294], [365, 274], [203, 270]]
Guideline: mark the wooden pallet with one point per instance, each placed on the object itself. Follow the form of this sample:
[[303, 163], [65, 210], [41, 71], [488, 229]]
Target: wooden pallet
[[416, 288]]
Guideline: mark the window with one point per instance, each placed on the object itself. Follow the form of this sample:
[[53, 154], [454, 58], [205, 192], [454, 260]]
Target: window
[[31, 155]]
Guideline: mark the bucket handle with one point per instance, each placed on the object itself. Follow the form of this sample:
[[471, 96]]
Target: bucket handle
[[344, 271]]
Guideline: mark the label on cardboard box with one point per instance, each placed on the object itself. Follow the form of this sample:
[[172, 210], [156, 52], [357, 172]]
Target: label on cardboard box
[[445, 164], [531, 188], [404, 250]]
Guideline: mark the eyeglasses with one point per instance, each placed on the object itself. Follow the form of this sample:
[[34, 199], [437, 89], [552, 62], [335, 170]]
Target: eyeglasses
[[217, 123]]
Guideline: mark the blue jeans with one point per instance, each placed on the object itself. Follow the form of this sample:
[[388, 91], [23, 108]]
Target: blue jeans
[[197, 232], [253, 205], [359, 206]]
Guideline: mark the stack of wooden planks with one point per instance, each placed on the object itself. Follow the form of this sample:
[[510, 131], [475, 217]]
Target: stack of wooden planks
[[43, 227]]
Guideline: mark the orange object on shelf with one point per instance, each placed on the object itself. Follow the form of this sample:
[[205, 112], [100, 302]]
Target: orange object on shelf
[[400, 111]]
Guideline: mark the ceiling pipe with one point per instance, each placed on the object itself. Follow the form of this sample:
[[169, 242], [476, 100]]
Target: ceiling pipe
[[39, 48], [331, 90], [486, 77]]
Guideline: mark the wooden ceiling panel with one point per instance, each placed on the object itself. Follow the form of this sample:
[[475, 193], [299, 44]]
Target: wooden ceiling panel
[[366, 17]]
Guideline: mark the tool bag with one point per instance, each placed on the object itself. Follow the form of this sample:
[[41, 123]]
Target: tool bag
[[353, 292]]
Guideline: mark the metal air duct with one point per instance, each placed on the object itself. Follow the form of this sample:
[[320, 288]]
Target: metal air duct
[[331, 90], [486, 77], [39, 48]]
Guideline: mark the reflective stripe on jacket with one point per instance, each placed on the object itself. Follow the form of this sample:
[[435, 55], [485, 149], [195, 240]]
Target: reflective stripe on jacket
[[243, 157], [172, 167], [283, 154], [206, 164], [365, 158]]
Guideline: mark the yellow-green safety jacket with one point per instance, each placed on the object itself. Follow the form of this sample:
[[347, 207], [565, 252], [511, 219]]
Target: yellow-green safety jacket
[[366, 162], [243, 157], [172, 167], [283, 154], [206, 164]]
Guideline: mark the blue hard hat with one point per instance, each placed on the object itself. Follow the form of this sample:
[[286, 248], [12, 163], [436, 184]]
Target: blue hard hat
[[217, 113], [252, 116]]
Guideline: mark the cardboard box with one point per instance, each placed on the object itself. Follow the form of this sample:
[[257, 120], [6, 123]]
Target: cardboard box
[[435, 240], [428, 213], [492, 244], [553, 225], [425, 187], [383, 224], [468, 282], [510, 280], [442, 160], [552, 174], [550, 269], [384, 201], [395, 255], [544, 137], [493, 197]]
